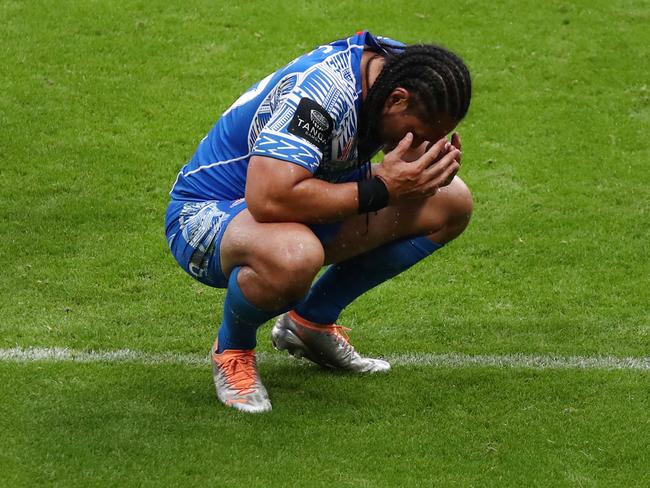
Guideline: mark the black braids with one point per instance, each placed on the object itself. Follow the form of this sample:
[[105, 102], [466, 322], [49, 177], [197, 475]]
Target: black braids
[[437, 79], [426, 101], [461, 82], [446, 93], [430, 89], [374, 102], [450, 60]]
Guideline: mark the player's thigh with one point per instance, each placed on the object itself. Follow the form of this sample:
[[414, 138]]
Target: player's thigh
[[270, 248], [362, 233]]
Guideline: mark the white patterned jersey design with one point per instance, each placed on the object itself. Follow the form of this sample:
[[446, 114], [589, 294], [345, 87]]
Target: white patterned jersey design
[[305, 114]]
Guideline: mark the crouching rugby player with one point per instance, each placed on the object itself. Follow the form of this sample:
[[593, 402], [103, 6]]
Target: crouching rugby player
[[282, 185]]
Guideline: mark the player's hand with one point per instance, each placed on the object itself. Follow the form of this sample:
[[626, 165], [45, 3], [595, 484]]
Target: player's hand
[[421, 178], [454, 144], [455, 141]]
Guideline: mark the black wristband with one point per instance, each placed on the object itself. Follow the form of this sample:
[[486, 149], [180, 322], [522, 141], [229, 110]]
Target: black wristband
[[373, 195]]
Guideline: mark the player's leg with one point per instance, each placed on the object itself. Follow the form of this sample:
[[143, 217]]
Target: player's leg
[[270, 267], [365, 255], [394, 239], [441, 218], [276, 262], [265, 267]]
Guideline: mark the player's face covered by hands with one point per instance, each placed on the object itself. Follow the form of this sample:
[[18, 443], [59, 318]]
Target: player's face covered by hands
[[399, 118]]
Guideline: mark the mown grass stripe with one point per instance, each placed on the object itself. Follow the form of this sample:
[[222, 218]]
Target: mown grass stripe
[[451, 360]]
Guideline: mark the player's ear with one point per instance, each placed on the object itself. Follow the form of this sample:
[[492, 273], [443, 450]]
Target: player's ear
[[397, 101]]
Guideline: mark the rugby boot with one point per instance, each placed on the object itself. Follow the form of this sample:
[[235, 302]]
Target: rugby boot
[[237, 381], [326, 345]]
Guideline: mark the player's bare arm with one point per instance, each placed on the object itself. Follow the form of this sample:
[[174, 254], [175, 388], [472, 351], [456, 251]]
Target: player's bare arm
[[276, 192]]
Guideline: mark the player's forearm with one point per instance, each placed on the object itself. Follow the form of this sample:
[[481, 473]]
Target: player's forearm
[[309, 201]]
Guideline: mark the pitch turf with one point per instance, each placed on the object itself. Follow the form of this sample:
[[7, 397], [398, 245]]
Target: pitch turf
[[102, 102]]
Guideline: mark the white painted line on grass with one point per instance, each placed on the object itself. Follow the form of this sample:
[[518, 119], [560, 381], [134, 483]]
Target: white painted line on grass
[[524, 361], [451, 360], [61, 354]]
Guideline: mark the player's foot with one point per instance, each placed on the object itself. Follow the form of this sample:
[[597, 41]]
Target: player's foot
[[327, 345], [237, 380]]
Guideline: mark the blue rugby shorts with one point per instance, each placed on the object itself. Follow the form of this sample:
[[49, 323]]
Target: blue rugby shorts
[[194, 231]]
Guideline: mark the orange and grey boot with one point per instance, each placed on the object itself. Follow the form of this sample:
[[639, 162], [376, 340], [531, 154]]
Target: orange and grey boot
[[327, 345], [237, 381]]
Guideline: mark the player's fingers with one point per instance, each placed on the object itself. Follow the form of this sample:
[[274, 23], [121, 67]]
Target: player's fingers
[[445, 178], [450, 177], [432, 154], [435, 170], [455, 140], [403, 145], [429, 190]]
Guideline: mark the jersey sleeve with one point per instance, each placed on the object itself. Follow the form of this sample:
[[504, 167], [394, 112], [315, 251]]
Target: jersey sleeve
[[302, 125]]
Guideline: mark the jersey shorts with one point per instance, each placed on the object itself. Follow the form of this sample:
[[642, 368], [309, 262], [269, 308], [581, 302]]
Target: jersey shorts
[[195, 230], [194, 233], [304, 114]]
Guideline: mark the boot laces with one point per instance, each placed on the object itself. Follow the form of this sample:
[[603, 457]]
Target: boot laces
[[341, 332], [241, 372]]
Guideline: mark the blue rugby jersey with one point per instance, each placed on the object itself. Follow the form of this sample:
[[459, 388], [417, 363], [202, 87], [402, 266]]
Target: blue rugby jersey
[[306, 113]]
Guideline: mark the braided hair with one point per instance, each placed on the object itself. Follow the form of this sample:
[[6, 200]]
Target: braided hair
[[437, 79]]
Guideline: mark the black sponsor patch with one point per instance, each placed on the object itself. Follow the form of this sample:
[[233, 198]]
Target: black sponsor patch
[[312, 123]]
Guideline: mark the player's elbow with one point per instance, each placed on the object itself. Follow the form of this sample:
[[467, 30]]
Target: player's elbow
[[266, 208], [263, 211]]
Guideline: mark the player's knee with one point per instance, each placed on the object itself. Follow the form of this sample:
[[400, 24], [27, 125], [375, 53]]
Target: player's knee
[[461, 206], [298, 256], [456, 211]]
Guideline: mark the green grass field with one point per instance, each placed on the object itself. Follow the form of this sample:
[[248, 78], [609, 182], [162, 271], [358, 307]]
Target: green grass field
[[101, 102]]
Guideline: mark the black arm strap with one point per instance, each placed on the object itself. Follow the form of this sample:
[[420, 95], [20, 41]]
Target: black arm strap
[[373, 195]]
